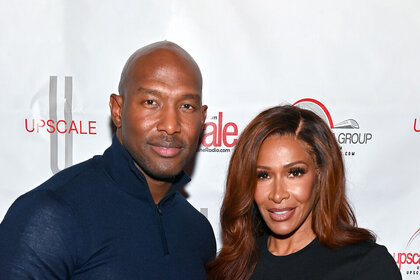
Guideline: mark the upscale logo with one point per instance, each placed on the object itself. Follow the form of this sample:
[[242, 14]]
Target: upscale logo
[[346, 132], [221, 136], [60, 126], [416, 129], [55, 126], [409, 258]]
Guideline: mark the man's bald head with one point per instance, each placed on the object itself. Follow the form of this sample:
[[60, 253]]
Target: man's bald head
[[155, 54]]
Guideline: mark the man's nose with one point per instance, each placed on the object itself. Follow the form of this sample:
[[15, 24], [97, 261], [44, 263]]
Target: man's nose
[[169, 121]]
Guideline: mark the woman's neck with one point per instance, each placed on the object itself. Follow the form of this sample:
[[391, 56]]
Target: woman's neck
[[282, 246]]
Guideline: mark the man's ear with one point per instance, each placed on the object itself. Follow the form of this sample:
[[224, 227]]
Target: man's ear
[[115, 104], [203, 115]]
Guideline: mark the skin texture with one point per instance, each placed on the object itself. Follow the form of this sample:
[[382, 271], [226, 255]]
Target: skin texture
[[158, 114], [284, 193]]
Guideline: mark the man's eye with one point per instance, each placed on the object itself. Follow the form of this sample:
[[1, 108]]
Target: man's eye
[[262, 175], [150, 102], [187, 107], [296, 172]]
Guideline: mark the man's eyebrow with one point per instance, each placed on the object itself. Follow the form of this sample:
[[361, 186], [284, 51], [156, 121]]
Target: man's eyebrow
[[194, 96], [147, 90]]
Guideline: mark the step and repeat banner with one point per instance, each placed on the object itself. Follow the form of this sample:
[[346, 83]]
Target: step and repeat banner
[[355, 63]]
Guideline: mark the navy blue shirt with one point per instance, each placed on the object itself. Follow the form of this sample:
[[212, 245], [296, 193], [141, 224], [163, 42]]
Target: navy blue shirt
[[97, 220]]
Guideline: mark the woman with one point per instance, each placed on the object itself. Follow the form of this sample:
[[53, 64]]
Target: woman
[[285, 214]]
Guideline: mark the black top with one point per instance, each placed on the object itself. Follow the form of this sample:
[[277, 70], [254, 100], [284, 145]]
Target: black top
[[366, 260]]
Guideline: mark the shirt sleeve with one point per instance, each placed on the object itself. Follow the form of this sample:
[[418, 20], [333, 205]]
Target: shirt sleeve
[[35, 238], [378, 264], [210, 246], [207, 240]]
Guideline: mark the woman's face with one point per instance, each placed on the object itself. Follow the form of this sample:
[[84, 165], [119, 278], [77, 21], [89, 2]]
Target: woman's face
[[286, 178]]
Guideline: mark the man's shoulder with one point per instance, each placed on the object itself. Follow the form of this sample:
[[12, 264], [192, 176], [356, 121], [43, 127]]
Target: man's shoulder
[[189, 215], [186, 206], [78, 174], [51, 195], [66, 188], [55, 203]]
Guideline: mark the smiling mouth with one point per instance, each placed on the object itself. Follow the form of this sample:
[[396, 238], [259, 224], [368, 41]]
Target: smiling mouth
[[281, 212], [280, 215]]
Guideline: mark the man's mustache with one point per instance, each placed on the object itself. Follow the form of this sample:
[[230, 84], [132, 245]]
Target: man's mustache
[[167, 141]]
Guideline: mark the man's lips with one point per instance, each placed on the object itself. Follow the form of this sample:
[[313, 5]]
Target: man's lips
[[166, 149], [280, 215]]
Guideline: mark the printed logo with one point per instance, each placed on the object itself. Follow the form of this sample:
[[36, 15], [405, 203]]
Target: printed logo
[[409, 260], [346, 132], [412, 238], [416, 128], [219, 136], [55, 126]]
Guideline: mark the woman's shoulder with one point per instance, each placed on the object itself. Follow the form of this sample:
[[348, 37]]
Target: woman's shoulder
[[362, 248], [370, 260], [365, 250]]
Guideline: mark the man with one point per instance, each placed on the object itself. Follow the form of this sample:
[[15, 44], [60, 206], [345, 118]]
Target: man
[[119, 215]]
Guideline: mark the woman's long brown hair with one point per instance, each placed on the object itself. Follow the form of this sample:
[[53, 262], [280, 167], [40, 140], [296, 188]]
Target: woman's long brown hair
[[333, 220]]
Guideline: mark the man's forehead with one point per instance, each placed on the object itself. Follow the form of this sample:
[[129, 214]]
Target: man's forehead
[[188, 94], [158, 58]]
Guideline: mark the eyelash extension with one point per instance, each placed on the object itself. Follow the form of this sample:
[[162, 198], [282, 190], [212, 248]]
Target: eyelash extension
[[262, 174], [296, 171]]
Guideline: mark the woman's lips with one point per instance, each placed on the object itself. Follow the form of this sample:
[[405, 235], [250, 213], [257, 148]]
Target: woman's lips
[[280, 215]]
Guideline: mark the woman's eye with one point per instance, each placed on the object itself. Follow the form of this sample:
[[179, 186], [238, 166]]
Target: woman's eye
[[296, 172], [262, 175], [150, 102]]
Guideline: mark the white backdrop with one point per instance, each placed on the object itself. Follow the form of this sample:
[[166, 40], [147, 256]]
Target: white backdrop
[[359, 59]]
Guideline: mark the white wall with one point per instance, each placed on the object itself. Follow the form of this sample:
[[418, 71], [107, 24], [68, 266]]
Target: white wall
[[360, 59]]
